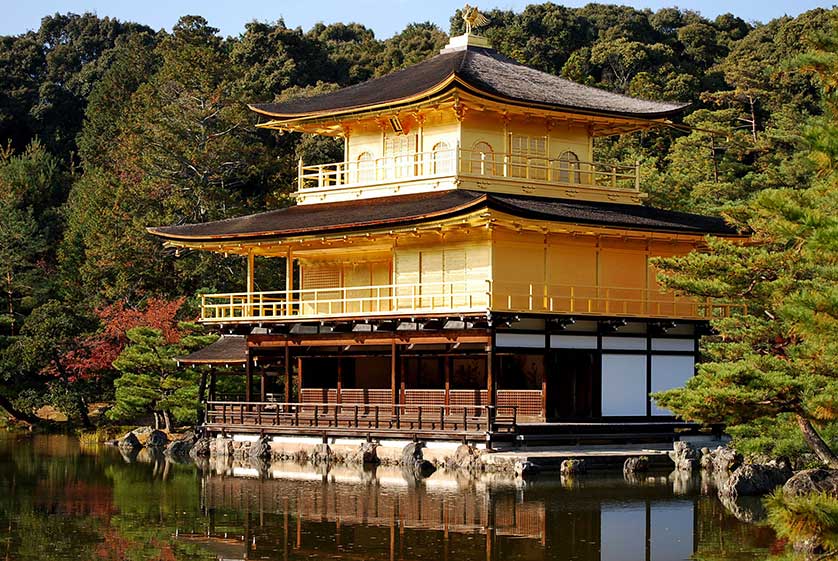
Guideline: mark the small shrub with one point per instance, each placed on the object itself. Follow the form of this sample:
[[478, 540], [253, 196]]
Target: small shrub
[[809, 518]]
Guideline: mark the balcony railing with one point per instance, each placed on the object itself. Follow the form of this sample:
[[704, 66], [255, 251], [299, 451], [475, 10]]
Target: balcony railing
[[429, 420], [462, 162], [457, 298]]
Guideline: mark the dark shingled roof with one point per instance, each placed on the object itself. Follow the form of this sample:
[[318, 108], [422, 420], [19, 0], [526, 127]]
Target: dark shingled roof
[[410, 209], [327, 217], [227, 349], [485, 70], [636, 217]]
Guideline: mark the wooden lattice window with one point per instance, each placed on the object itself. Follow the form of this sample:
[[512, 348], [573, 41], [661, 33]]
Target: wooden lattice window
[[365, 171], [442, 159], [320, 276], [528, 156], [569, 167], [482, 159], [400, 153]]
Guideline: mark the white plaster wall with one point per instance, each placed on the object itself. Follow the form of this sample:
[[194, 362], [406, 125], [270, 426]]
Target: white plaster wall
[[623, 384]]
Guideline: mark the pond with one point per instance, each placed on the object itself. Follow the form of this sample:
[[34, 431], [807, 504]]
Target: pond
[[62, 501]]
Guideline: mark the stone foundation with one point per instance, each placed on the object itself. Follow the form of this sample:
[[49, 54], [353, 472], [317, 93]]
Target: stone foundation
[[241, 447]]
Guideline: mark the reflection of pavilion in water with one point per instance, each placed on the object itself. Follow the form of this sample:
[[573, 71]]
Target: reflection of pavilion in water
[[348, 514]]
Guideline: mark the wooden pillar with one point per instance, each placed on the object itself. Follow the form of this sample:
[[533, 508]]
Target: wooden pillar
[[447, 369], [289, 271], [300, 378], [545, 370], [394, 373], [490, 368], [202, 390], [251, 283], [262, 385], [251, 279], [248, 372], [287, 372], [289, 282], [401, 380], [212, 386], [340, 379]]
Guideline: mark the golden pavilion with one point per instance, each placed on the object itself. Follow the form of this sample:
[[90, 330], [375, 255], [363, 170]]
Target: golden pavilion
[[468, 271]]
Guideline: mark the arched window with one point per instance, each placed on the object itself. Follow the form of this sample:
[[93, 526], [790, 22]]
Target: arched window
[[365, 168], [442, 159], [569, 168], [482, 161]]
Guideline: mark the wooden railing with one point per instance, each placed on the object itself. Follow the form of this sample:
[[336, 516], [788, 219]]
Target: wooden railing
[[605, 301], [347, 301], [456, 162], [355, 418], [459, 297]]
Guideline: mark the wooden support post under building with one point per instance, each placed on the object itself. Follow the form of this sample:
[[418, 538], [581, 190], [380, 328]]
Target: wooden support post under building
[[447, 369], [401, 381], [300, 378], [262, 385], [490, 369], [202, 398], [394, 374], [248, 371], [211, 392], [340, 379], [287, 372], [544, 370]]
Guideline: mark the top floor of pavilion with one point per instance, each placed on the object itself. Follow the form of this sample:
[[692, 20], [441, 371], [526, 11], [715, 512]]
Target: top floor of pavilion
[[468, 118]]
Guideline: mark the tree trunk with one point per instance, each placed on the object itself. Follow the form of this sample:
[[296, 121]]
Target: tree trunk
[[82, 407], [156, 420], [167, 419], [816, 443], [10, 298], [753, 117], [16, 414]]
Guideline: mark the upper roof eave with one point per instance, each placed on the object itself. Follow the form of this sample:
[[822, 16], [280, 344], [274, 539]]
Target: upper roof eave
[[289, 121], [409, 210], [463, 201], [481, 70]]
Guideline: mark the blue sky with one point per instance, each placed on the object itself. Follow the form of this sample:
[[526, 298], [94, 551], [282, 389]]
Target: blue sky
[[385, 18]]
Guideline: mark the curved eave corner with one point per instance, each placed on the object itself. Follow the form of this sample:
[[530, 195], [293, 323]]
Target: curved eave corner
[[282, 119]]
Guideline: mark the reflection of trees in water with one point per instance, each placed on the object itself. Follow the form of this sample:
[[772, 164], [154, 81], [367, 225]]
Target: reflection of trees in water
[[723, 536], [111, 509]]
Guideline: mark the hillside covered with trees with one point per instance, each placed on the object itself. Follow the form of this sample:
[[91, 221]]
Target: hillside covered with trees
[[107, 127]]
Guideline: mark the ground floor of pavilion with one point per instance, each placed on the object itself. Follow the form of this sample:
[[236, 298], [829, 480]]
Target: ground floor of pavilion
[[452, 379]]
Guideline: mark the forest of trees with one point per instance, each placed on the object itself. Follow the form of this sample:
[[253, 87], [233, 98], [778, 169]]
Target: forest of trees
[[107, 127]]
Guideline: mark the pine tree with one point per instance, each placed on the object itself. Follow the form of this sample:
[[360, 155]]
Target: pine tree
[[151, 382], [780, 357]]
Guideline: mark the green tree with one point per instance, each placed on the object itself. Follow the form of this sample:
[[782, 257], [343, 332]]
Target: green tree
[[780, 356], [416, 42], [151, 382], [47, 75], [32, 186], [38, 359]]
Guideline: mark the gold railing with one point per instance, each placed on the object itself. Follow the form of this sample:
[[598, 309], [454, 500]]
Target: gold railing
[[461, 162], [463, 296], [459, 297], [605, 301]]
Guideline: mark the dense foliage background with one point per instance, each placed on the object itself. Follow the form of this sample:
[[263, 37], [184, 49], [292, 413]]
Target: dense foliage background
[[107, 127]]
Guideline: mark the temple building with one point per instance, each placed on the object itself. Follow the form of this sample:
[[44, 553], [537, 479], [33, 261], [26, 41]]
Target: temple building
[[468, 270]]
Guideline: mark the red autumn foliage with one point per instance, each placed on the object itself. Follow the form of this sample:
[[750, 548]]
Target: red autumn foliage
[[95, 353]]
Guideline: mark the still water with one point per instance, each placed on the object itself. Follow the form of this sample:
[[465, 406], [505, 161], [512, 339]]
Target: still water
[[59, 501]]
